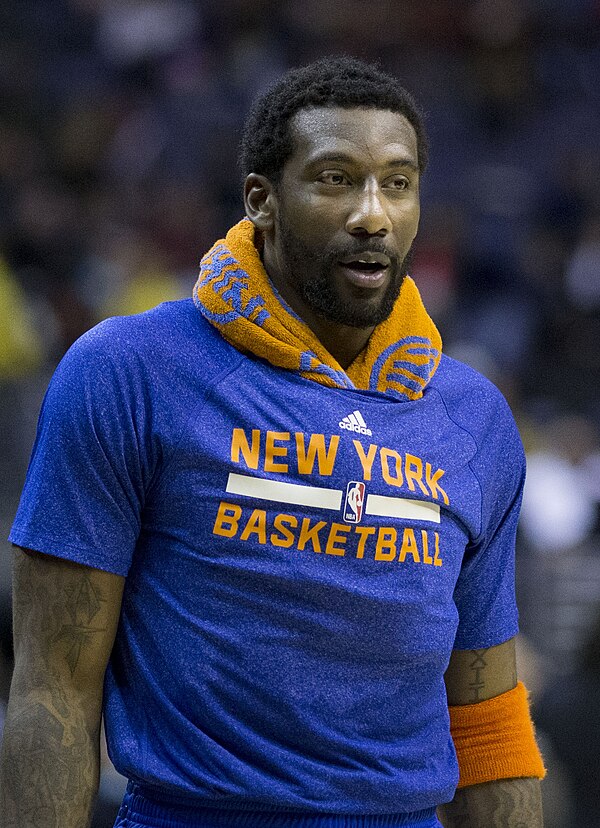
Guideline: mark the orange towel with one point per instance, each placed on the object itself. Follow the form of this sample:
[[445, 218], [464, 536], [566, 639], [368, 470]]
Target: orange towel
[[234, 293]]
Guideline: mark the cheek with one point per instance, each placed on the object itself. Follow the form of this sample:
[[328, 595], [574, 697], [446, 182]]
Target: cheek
[[315, 229], [408, 222], [416, 217], [307, 217]]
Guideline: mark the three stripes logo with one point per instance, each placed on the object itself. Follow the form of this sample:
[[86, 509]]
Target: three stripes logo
[[355, 422]]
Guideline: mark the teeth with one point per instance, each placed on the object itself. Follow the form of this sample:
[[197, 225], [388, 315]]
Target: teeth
[[368, 266], [370, 262]]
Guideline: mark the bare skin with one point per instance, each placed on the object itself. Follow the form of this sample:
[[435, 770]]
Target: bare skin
[[474, 676], [65, 620], [505, 803]]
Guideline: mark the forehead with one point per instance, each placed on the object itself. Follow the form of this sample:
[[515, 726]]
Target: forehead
[[377, 135]]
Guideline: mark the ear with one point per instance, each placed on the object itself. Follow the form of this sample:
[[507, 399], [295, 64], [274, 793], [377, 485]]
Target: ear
[[260, 201]]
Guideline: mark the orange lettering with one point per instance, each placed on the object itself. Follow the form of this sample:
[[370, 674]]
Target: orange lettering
[[239, 445], [337, 534], [413, 471], [366, 460], [433, 484], [257, 525], [386, 544], [308, 533], [227, 519], [286, 538], [427, 559], [385, 455], [363, 532], [409, 546], [272, 451], [316, 448], [437, 561]]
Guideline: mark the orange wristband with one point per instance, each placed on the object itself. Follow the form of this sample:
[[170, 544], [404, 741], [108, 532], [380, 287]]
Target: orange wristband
[[495, 739]]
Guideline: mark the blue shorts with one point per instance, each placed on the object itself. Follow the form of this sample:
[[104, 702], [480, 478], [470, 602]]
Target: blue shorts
[[140, 810]]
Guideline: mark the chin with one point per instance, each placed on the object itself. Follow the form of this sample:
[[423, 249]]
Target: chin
[[357, 317], [355, 313]]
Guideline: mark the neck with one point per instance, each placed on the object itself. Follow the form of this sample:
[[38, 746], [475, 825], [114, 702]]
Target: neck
[[343, 342]]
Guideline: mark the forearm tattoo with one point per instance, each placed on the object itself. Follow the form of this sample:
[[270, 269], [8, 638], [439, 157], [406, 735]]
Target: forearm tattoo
[[481, 672], [50, 758], [506, 803], [477, 665], [50, 770]]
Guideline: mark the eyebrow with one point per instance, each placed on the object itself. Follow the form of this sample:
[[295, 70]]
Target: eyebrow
[[343, 158]]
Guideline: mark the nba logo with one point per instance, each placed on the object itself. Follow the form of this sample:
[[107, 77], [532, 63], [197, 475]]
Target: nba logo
[[353, 505]]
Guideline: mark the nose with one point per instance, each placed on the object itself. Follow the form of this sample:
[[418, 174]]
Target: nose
[[369, 216]]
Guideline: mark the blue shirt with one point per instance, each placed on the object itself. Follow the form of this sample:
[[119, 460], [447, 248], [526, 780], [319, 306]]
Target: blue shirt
[[300, 562]]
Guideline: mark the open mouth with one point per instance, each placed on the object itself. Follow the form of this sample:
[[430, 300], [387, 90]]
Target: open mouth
[[365, 267], [368, 271]]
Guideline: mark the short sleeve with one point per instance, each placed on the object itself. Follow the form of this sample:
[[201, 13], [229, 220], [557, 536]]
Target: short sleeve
[[85, 484], [485, 590]]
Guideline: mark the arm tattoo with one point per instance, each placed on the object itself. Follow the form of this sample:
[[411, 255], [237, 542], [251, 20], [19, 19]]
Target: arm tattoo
[[48, 767], [50, 761], [70, 606], [506, 803], [83, 603], [477, 667]]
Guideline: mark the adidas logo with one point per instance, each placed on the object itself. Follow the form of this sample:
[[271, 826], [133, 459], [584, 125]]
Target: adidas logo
[[355, 422]]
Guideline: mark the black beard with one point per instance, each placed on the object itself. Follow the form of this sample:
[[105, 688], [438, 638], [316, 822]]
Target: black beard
[[318, 289]]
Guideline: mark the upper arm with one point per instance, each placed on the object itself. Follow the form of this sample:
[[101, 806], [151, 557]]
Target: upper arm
[[93, 459], [65, 620], [484, 592], [476, 675]]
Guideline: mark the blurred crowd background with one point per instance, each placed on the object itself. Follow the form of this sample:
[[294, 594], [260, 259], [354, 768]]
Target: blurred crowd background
[[119, 123]]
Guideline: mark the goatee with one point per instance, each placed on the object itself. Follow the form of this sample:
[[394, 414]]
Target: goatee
[[319, 290]]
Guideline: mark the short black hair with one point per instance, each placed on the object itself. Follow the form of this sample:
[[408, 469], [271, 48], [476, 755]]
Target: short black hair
[[330, 82]]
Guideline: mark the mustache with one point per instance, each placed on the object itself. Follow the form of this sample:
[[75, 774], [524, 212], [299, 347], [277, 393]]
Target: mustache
[[401, 266], [365, 246]]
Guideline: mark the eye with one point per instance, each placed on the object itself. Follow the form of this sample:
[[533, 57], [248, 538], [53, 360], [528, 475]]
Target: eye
[[333, 177], [397, 182]]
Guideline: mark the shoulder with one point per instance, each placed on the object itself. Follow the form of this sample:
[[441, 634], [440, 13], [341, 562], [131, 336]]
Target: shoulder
[[140, 369], [475, 404], [471, 400], [175, 327], [165, 342]]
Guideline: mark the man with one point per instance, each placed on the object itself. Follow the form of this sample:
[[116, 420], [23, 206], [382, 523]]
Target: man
[[281, 518]]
